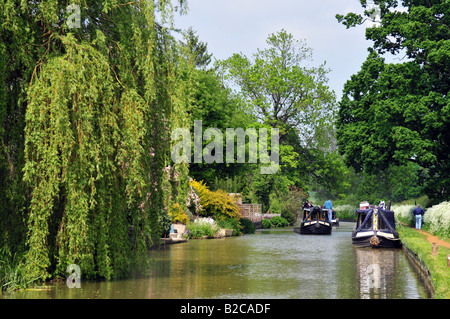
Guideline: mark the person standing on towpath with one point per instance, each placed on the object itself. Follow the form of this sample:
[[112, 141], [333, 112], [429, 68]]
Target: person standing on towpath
[[418, 213]]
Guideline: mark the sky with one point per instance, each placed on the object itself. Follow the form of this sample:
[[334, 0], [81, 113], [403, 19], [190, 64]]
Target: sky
[[234, 26]]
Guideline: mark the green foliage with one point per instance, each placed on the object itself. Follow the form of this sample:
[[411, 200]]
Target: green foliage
[[65, 151], [280, 89], [277, 88], [265, 189], [287, 202], [247, 226], [85, 120], [404, 214], [12, 274], [330, 172], [217, 204], [437, 265], [278, 70], [165, 221], [346, 212], [391, 114], [289, 216], [177, 214], [230, 223], [424, 201], [437, 219], [396, 183], [201, 228], [278, 221], [198, 50], [266, 224], [216, 107], [233, 185]]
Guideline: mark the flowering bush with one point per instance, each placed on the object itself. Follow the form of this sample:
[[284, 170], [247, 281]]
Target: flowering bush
[[177, 214], [203, 227], [404, 214], [215, 203], [193, 201], [437, 219]]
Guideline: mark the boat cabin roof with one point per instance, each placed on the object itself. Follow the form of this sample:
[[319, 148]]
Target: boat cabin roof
[[321, 214], [387, 216]]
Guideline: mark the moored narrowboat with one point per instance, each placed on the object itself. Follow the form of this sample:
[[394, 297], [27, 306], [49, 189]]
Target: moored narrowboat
[[314, 222], [375, 227]]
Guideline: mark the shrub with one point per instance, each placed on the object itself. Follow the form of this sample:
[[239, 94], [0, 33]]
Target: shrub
[[177, 214], [217, 204], [278, 221], [230, 223], [12, 272], [437, 219], [404, 214], [247, 226], [165, 221], [287, 203], [266, 223], [288, 215], [201, 228]]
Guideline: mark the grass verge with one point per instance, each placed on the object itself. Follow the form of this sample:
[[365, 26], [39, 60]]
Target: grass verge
[[437, 265]]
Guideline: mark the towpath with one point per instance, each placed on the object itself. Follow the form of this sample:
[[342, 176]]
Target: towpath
[[432, 238]]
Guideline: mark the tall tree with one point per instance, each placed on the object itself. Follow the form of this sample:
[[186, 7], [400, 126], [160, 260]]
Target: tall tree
[[400, 113], [279, 88], [197, 49], [96, 101]]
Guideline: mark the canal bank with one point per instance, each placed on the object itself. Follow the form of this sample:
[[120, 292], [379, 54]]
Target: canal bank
[[421, 269], [433, 269]]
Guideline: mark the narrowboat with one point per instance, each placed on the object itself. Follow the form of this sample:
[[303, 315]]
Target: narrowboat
[[314, 222], [375, 227]]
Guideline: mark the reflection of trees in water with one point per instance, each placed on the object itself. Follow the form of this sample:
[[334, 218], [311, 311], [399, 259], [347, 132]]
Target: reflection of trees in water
[[376, 269]]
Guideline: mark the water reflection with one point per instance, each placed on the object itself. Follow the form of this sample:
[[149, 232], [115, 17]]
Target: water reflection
[[376, 270], [385, 273], [269, 264]]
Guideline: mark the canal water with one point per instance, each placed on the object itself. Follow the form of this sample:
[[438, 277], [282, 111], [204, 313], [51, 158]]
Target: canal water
[[275, 264]]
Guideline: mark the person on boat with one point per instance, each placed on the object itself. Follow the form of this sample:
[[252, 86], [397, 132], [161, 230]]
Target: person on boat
[[364, 205], [329, 205], [307, 204], [418, 213]]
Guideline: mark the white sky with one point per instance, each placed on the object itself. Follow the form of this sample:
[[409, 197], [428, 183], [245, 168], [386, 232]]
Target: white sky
[[233, 26]]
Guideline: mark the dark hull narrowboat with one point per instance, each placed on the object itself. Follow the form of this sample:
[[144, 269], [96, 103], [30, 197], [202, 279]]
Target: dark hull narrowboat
[[315, 222], [375, 227], [314, 228], [376, 239]]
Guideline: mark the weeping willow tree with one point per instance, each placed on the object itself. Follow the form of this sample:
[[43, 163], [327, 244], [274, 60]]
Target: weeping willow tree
[[96, 103]]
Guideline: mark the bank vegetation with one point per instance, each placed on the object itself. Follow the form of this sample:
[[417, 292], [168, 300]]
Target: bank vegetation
[[87, 115]]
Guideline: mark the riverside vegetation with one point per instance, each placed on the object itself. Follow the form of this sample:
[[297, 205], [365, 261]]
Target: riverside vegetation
[[87, 114]]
